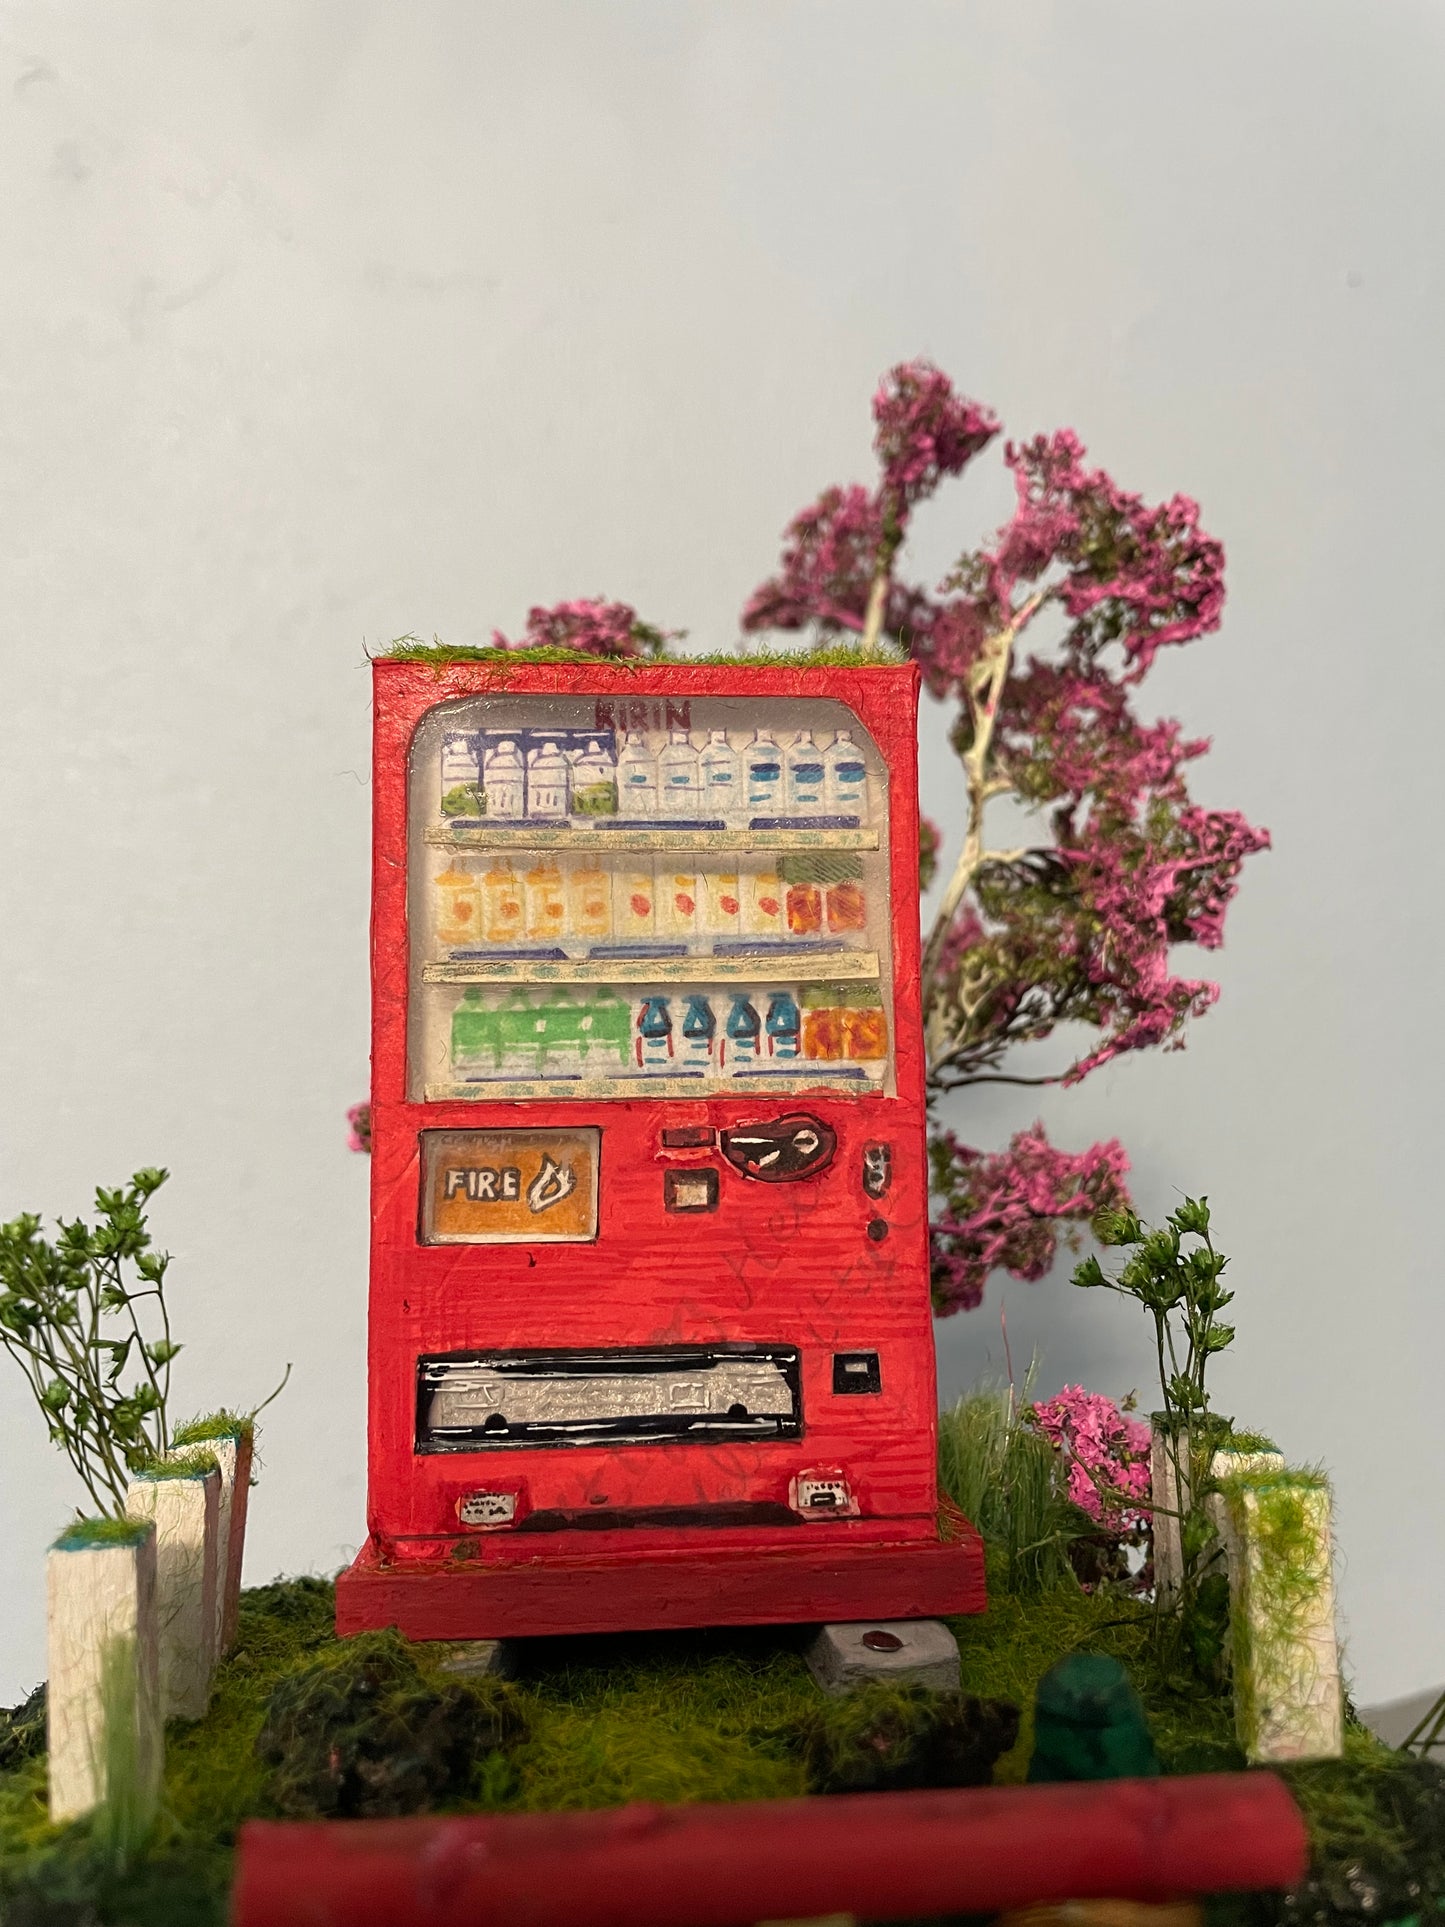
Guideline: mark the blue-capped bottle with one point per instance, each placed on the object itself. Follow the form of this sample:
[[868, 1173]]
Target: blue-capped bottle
[[783, 1025], [763, 774], [743, 1035], [699, 1033], [652, 1039], [803, 770], [845, 778]]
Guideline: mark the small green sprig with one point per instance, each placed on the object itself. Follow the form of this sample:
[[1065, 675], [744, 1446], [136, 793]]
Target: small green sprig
[[1179, 1285], [85, 1318]]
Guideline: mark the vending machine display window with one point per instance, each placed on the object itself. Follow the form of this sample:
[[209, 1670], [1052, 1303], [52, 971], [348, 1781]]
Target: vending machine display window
[[618, 898]]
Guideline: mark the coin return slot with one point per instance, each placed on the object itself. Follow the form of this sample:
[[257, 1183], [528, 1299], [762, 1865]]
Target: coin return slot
[[686, 1191]]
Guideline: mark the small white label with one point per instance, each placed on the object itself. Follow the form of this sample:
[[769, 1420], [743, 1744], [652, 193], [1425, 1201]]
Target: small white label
[[488, 1509]]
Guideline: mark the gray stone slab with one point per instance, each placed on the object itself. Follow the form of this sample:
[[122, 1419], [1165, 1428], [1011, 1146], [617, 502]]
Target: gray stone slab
[[481, 1659], [920, 1652]]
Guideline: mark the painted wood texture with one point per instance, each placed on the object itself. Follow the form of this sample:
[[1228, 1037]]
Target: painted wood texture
[[101, 1649], [233, 1458], [186, 1514], [636, 1580], [877, 1855], [816, 1264]]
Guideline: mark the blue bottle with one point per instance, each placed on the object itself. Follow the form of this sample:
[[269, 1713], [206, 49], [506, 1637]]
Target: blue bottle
[[699, 1028], [653, 1040], [744, 1034], [783, 1026]]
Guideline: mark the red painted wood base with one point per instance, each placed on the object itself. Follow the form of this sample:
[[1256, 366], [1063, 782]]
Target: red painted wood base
[[606, 1582]]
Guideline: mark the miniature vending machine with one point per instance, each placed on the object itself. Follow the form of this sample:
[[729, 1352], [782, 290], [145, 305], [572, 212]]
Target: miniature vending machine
[[650, 1341]]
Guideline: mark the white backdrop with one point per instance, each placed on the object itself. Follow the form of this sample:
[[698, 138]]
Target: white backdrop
[[326, 320]]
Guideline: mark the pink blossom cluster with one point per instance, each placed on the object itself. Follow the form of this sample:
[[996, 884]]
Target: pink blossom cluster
[[924, 431], [1006, 1209], [1124, 572], [358, 1128], [1107, 1454], [836, 546], [597, 628]]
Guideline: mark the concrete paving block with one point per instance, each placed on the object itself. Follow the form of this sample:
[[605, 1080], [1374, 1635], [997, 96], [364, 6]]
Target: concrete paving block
[[921, 1652], [481, 1659]]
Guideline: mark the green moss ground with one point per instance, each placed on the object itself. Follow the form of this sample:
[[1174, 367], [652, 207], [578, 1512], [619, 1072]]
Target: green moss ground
[[667, 1717]]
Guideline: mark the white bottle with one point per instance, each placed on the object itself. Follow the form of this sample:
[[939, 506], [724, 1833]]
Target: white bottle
[[547, 782], [763, 762], [505, 780], [594, 780], [721, 778], [803, 770], [845, 778], [636, 778], [679, 779]]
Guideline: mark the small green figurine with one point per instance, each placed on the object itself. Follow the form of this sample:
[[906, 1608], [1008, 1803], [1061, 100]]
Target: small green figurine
[[1089, 1724]]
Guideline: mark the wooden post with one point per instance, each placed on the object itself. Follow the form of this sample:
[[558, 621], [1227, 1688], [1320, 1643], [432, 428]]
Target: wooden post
[[1165, 1497], [877, 1855], [1276, 1530], [103, 1717], [182, 1497]]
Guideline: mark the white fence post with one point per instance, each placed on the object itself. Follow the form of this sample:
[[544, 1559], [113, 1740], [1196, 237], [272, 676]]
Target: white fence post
[[1276, 1529], [182, 1496], [103, 1715], [1165, 1499], [232, 1441]]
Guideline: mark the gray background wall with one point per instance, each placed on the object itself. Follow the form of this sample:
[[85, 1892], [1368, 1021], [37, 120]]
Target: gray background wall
[[325, 320]]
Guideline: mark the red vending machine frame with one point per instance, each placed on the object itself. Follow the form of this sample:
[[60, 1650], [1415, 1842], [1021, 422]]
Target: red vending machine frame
[[768, 1241]]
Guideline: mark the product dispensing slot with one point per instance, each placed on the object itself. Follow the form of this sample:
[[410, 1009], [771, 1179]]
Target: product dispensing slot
[[481, 1401]]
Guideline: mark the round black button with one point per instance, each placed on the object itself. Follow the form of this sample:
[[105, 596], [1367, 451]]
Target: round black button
[[878, 1230]]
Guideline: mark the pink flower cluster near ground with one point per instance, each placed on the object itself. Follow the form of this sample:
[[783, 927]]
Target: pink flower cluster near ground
[[1107, 1455]]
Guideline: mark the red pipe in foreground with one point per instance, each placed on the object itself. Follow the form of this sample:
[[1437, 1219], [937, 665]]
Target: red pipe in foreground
[[878, 1855]]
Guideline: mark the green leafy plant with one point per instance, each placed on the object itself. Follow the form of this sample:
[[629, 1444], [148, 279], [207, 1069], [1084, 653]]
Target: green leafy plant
[[85, 1318], [1179, 1284]]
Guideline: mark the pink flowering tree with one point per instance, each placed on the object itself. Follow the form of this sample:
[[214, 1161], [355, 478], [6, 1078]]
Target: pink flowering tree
[[1041, 637], [596, 628]]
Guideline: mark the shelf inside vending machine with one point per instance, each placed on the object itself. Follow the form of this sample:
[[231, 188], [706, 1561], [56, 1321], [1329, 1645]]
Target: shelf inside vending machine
[[535, 836], [753, 966]]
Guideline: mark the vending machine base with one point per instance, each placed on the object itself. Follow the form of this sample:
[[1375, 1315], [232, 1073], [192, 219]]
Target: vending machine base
[[638, 1580]]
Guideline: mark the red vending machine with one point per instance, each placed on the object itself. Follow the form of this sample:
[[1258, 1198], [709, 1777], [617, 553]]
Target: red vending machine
[[650, 1341]]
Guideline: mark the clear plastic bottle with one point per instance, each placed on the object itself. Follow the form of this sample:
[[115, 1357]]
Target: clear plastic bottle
[[803, 770], [763, 764], [721, 773], [679, 778], [547, 775], [504, 777], [845, 778], [636, 778]]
